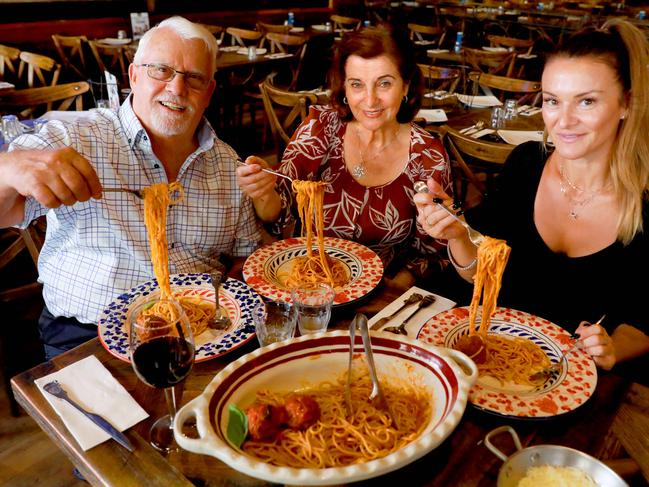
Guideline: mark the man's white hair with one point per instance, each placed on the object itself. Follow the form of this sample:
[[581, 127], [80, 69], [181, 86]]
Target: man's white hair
[[185, 29]]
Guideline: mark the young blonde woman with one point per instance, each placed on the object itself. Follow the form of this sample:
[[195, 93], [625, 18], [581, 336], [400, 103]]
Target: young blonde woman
[[574, 213]]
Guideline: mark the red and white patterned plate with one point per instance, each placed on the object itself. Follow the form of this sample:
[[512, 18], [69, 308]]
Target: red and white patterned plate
[[562, 393], [364, 268]]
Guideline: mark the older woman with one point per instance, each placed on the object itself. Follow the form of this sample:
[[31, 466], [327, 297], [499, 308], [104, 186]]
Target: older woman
[[369, 152], [574, 216]]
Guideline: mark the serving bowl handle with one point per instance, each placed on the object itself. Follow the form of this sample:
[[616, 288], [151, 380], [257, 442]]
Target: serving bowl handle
[[195, 408], [465, 363], [496, 432]]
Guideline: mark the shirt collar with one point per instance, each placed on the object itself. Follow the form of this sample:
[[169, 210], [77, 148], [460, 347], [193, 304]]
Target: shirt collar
[[135, 131]]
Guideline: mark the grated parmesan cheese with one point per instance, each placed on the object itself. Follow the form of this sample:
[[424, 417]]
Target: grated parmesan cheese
[[546, 475]]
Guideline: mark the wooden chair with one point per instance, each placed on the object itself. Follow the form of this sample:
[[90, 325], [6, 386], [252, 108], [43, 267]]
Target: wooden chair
[[426, 35], [470, 156], [36, 66], [111, 58], [489, 62], [519, 46], [244, 37], [345, 24], [217, 31], [523, 90], [276, 28], [285, 111], [71, 53], [296, 45], [13, 241], [9, 56], [438, 78], [32, 102]]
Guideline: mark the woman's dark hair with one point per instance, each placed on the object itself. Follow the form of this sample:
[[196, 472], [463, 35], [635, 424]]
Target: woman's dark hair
[[371, 42]]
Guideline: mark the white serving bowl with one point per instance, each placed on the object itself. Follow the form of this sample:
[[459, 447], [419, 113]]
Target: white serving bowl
[[311, 359]]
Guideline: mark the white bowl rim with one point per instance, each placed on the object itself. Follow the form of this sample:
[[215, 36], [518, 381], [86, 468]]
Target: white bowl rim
[[210, 444]]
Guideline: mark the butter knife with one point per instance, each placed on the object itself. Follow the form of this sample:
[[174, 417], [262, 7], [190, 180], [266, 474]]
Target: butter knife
[[55, 389]]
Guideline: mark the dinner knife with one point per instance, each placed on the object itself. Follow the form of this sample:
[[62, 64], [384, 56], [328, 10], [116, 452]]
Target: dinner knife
[[55, 389]]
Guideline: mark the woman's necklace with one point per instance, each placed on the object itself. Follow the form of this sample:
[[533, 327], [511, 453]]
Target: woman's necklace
[[578, 197], [360, 170]]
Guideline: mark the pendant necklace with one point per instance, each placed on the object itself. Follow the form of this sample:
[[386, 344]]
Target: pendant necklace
[[360, 170], [576, 203]]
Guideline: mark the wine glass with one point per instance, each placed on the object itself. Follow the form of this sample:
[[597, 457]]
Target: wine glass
[[162, 354]]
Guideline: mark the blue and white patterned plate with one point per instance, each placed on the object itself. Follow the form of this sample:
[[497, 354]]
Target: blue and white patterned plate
[[236, 297]]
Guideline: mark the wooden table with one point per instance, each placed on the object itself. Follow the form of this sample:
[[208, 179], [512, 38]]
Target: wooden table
[[460, 461]]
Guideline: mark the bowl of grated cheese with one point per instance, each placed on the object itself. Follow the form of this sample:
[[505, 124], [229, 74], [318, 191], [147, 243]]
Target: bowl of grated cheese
[[549, 465]]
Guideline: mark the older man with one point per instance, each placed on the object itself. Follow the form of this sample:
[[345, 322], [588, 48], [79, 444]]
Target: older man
[[96, 246]]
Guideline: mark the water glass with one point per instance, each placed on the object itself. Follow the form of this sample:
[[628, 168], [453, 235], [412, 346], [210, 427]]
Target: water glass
[[313, 306], [274, 322], [11, 128], [511, 109], [121, 34], [497, 118], [252, 52]]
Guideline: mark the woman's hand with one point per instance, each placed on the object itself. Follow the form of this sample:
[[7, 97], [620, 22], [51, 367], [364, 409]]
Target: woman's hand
[[597, 343], [253, 181], [435, 221]]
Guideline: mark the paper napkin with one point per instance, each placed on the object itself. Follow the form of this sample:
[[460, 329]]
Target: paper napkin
[[432, 115], [479, 101], [420, 318], [90, 385]]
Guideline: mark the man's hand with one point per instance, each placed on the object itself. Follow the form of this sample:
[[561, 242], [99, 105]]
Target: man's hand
[[52, 177]]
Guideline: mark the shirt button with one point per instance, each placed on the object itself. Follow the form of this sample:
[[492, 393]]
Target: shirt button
[[173, 244], [129, 141], [144, 137], [156, 166]]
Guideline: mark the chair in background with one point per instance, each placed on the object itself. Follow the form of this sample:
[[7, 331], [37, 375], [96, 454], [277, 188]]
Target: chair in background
[[13, 241], [111, 58], [523, 91], [36, 66], [217, 31], [439, 78], [285, 111], [244, 37], [33, 102], [9, 56], [295, 45], [489, 62], [475, 162], [345, 24], [426, 35], [276, 28], [522, 47], [71, 53]]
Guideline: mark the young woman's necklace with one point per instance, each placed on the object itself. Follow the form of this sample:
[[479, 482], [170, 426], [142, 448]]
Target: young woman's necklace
[[577, 197], [360, 170]]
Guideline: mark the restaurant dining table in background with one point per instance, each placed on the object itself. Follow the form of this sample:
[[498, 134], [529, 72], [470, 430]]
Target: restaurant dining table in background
[[461, 460]]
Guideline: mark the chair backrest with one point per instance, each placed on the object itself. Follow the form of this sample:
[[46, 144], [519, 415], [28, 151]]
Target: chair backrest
[[285, 111], [295, 45], [520, 45], [33, 102], [488, 61], [71, 53], [36, 66], [426, 33], [111, 58], [8, 57], [439, 78], [521, 89], [277, 28], [244, 37], [342, 23]]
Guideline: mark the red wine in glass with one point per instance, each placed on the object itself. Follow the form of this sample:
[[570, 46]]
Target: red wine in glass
[[162, 354]]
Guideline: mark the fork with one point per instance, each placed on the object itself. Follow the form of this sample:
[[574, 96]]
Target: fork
[[476, 127], [401, 329], [221, 320], [136, 192], [412, 299], [348, 394], [269, 171]]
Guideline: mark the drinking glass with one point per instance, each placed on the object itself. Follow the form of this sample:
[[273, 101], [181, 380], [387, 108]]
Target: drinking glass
[[274, 322], [497, 114], [511, 109], [162, 354], [313, 306]]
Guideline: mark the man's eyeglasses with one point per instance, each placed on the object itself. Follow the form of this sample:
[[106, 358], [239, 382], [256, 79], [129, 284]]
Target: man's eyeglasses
[[165, 73]]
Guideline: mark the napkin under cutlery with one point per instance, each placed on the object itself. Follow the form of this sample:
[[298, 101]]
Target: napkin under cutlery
[[420, 318], [93, 387], [432, 115]]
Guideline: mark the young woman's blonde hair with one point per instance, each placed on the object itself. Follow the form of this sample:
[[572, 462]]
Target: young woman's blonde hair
[[624, 48]]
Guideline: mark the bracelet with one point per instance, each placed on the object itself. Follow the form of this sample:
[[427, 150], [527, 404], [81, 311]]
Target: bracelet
[[457, 266]]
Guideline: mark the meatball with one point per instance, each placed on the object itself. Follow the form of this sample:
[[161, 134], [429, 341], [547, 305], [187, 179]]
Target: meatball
[[302, 411], [265, 421]]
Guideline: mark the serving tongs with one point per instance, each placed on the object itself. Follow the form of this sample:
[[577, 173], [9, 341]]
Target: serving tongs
[[376, 396]]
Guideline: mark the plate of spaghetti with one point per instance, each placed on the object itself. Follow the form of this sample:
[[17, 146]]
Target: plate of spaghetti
[[196, 295], [425, 386], [268, 270], [517, 345]]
